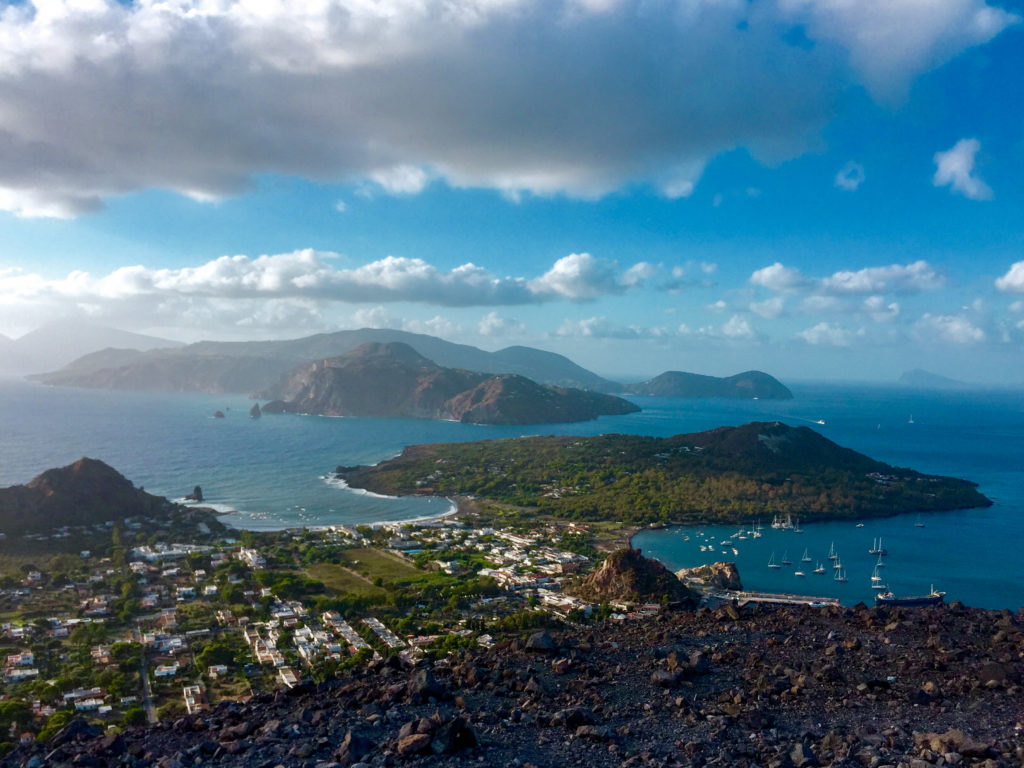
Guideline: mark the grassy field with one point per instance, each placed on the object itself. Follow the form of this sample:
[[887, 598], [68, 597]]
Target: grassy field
[[338, 579], [389, 568]]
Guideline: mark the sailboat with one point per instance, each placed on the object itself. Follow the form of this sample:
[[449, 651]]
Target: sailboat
[[785, 558], [918, 523], [799, 573], [832, 552], [911, 419], [772, 563], [820, 569], [840, 576], [806, 558], [876, 580], [877, 548], [837, 566], [879, 564]]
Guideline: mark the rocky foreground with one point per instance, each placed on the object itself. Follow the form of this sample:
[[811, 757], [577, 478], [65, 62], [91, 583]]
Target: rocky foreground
[[862, 687]]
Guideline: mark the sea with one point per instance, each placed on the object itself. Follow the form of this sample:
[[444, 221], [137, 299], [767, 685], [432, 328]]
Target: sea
[[276, 472]]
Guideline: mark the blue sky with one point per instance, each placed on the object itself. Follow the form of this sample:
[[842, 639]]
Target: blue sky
[[817, 188]]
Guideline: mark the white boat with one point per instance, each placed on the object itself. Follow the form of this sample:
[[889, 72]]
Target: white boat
[[877, 548], [820, 421], [911, 419], [837, 566], [806, 558], [785, 558], [799, 573], [772, 563], [820, 569], [840, 576], [832, 552], [879, 564], [918, 523], [876, 580]]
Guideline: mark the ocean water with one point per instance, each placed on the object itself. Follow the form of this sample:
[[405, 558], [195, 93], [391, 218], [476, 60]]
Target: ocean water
[[273, 472]]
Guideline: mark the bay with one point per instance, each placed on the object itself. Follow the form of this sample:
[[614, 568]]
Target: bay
[[274, 470]]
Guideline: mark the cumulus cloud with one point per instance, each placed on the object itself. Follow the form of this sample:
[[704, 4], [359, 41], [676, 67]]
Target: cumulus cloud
[[737, 327], [599, 327], [579, 277], [850, 176], [1011, 282], [435, 326], [777, 277], [232, 288], [953, 329], [103, 98], [493, 324], [827, 334], [769, 308], [954, 168], [896, 278], [879, 310]]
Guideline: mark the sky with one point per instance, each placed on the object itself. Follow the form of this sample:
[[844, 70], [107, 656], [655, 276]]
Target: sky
[[822, 189]]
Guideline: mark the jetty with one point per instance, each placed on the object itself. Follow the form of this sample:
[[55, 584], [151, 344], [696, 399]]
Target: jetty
[[717, 596]]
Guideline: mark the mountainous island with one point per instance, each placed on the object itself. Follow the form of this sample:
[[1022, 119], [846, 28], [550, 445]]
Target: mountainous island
[[394, 380], [83, 493], [918, 378], [727, 474], [747, 385], [255, 366]]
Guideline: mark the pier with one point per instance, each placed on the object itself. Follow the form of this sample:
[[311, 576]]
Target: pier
[[717, 596]]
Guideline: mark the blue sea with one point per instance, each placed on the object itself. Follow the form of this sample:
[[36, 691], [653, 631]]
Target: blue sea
[[274, 472]]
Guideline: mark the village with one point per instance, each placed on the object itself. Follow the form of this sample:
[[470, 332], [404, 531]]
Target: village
[[151, 630]]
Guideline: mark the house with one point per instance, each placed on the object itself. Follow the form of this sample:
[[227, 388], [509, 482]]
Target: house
[[288, 676], [217, 670], [166, 670]]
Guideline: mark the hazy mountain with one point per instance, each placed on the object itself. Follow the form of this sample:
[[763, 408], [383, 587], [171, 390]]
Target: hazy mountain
[[60, 343], [394, 380], [749, 384], [256, 366], [922, 379]]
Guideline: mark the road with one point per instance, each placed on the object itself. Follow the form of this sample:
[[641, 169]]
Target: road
[[147, 694]]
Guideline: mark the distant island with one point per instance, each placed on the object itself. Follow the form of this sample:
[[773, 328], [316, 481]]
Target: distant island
[[919, 378], [729, 474], [747, 385], [393, 380], [257, 367]]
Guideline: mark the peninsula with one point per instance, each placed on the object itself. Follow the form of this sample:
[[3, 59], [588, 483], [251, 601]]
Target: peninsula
[[394, 380], [726, 474]]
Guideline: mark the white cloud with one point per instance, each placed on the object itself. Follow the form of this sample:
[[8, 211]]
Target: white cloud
[[887, 41], [879, 310], [639, 273], [827, 334], [895, 278], [1013, 280], [493, 324], [578, 277], [401, 179], [599, 328], [769, 308], [708, 267], [103, 98], [816, 304], [373, 317], [738, 328], [955, 168], [778, 277], [340, 206], [1017, 306], [718, 306], [435, 326], [954, 329], [850, 176], [232, 287]]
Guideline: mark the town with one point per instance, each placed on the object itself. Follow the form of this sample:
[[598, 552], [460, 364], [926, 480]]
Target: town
[[146, 629]]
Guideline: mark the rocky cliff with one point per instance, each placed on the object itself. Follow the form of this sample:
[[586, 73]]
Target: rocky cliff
[[393, 380], [82, 493], [627, 576], [784, 687], [715, 575]]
